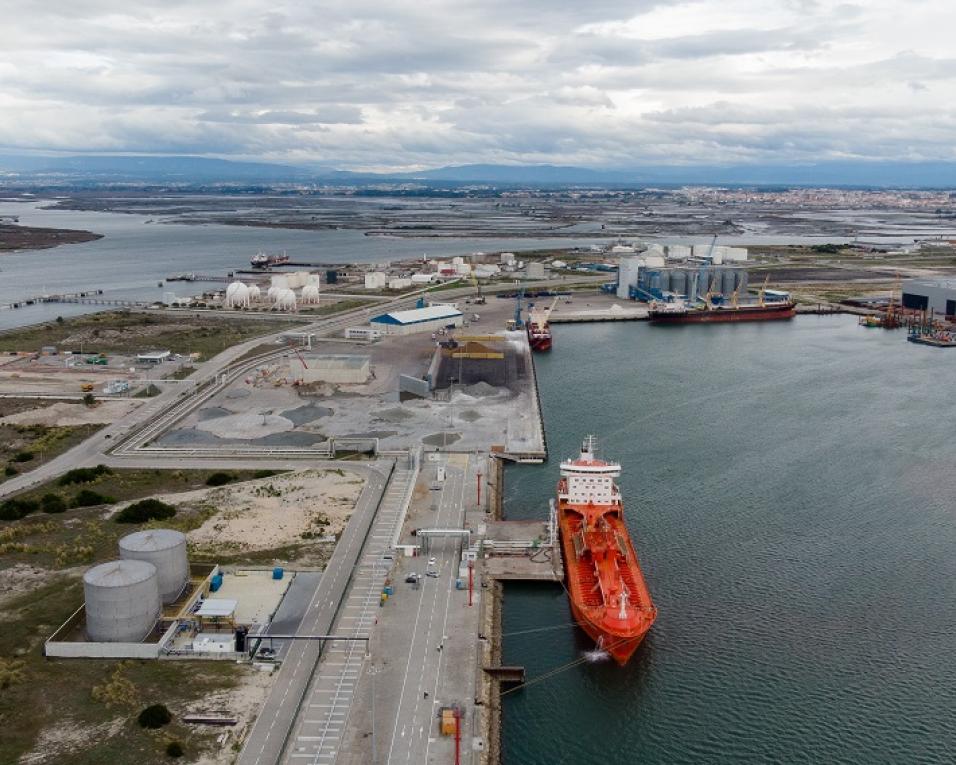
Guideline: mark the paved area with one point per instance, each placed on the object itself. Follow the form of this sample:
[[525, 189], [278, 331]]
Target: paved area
[[268, 736], [323, 716], [292, 610], [423, 652]]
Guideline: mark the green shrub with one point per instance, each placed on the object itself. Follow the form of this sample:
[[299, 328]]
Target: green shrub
[[145, 510], [83, 475], [154, 716], [15, 509], [264, 474], [52, 503], [23, 456], [10, 470], [220, 479], [174, 749], [89, 498]]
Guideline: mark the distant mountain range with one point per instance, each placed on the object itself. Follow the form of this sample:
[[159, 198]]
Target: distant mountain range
[[202, 170]]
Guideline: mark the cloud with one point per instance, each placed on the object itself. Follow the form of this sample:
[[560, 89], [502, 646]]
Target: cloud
[[369, 83]]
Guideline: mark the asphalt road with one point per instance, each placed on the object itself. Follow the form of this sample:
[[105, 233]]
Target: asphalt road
[[407, 734]]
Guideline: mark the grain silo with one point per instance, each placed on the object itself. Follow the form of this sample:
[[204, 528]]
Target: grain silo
[[122, 601], [166, 550]]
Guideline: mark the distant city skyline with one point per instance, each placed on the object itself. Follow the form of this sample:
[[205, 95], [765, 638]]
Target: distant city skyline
[[371, 86]]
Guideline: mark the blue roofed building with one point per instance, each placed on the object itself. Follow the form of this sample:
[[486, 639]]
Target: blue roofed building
[[429, 319]]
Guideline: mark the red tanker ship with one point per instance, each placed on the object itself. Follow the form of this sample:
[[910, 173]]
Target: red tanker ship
[[609, 597]]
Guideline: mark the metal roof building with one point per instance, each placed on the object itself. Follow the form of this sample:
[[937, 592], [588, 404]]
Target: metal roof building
[[426, 319], [931, 295]]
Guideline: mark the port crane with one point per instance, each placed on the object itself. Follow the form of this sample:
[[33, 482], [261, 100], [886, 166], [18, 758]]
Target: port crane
[[516, 322], [478, 299]]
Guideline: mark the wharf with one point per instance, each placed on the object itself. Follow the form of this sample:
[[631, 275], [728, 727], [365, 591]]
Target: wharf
[[519, 551], [614, 313]]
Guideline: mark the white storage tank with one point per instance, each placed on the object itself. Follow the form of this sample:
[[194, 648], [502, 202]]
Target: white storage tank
[[122, 601], [166, 550]]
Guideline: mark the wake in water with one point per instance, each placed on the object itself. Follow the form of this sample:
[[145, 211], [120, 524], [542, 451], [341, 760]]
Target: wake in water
[[596, 655]]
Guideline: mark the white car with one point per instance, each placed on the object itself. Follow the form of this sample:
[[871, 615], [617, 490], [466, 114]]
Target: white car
[[432, 562]]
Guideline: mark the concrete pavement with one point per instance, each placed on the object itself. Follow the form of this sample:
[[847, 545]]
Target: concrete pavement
[[265, 742]]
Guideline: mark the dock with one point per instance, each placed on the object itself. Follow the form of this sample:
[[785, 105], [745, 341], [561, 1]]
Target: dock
[[614, 313]]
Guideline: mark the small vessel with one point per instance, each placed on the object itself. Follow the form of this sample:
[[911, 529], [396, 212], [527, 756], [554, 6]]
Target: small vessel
[[608, 594], [262, 260], [538, 328]]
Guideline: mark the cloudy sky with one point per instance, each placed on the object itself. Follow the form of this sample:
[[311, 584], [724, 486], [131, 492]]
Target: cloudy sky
[[359, 84]]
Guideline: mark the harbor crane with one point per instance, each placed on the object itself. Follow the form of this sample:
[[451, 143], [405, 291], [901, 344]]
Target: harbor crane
[[478, 299]]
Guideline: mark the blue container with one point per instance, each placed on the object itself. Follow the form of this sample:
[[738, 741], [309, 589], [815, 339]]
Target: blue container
[[277, 572], [215, 583], [389, 590], [459, 584]]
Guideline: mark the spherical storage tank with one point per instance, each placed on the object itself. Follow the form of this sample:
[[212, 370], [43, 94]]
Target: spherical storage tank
[[237, 294], [254, 292], [166, 550], [310, 294], [122, 601]]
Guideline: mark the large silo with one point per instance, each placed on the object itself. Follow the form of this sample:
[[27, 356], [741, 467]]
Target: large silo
[[166, 550], [741, 281], [679, 281], [727, 281], [122, 601]]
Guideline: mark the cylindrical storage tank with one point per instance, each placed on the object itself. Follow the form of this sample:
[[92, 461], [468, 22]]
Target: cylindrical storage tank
[[692, 286], [122, 601], [665, 280], [166, 550], [727, 281], [679, 282], [742, 281]]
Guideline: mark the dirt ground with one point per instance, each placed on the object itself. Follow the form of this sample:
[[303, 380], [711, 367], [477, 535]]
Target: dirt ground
[[243, 701], [270, 513], [65, 413]]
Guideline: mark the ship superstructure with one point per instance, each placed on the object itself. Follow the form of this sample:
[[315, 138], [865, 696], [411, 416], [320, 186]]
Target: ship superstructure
[[263, 260], [608, 594], [539, 330]]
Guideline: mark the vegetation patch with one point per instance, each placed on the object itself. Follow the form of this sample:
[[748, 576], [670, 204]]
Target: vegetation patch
[[98, 699], [83, 475], [145, 510], [129, 332], [220, 479], [154, 716]]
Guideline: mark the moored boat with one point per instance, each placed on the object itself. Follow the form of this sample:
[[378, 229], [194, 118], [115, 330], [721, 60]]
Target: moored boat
[[609, 597]]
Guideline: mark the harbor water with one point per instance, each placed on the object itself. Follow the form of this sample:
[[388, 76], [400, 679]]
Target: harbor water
[[791, 493]]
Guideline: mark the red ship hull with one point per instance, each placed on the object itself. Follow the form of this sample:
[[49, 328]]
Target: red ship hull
[[721, 314], [539, 339], [597, 557]]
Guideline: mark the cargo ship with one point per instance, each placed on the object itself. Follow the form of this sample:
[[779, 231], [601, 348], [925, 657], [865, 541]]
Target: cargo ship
[[261, 260], [608, 594], [539, 330], [678, 311]]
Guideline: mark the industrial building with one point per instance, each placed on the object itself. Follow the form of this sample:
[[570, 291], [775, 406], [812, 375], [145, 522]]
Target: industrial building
[[332, 368], [935, 296], [376, 280], [638, 282], [368, 334], [427, 319]]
